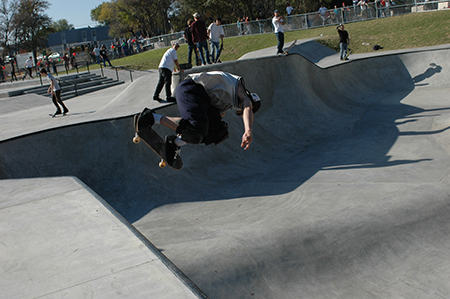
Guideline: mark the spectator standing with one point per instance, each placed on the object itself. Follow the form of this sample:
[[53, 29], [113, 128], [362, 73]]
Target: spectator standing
[[344, 41], [114, 50], [125, 48], [238, 24], [355, 8], [12, 63], [362, 8], [130, 46], [200, 37], [278, 24], [55, 71], [345, 11], [2, 75], [66, 62], [104, 55], [28, 68], [191, 46], [73, 61], [289, 10], [216, 34], [387, 4], [323, 13], [119, 49], [166, 66], [248, 28], [96, 52]]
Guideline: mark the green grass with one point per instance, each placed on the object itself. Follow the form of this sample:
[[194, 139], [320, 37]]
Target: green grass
[[398, 32]]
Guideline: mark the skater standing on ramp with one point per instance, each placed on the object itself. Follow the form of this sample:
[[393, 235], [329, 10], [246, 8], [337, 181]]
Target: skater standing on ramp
[[55, 90], [344, 41], [278, 24]]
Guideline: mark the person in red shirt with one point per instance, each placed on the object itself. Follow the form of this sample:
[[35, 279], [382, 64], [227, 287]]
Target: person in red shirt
[[200, 37]]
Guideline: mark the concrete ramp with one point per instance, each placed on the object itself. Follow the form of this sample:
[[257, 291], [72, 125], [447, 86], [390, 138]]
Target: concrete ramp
[[60, 240], [343, 194]]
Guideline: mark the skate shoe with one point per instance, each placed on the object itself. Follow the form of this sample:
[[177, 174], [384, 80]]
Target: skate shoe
[[146, 119], [171, 150]]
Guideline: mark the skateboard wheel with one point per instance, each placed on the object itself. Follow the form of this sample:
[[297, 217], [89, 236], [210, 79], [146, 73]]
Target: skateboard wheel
[[162, 164], [136, 139]]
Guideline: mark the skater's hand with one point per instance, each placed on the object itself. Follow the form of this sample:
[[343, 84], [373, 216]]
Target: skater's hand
[[247, 139]]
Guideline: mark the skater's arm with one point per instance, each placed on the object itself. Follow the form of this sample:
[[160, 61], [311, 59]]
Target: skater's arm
[[50, 88], [247, 118]]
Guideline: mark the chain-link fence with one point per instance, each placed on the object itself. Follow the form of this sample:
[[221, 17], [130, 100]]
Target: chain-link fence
[[332, 16]]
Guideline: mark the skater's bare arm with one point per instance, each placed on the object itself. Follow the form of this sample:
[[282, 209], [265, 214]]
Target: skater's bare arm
[[50, 88], [247, 117]]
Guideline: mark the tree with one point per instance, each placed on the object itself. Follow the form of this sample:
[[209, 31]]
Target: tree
[[61, 25], [8, 9], [31, 24], [128, 17]]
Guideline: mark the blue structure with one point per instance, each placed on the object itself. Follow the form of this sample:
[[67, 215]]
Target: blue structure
[[62, 41]]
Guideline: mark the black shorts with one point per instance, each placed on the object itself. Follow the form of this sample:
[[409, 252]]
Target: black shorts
[[195, 109]]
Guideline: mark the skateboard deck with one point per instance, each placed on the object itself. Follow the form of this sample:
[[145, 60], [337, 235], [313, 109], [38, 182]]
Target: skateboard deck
[[156, 143], [348, 54], [57, 115], [286, 51], [197, 57]]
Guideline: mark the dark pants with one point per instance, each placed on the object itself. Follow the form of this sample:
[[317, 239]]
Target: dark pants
[[201, 121], [191, 48], [106, 59], [165, 79], [280, 37], [29, 71], [56, 99], [203, 45]]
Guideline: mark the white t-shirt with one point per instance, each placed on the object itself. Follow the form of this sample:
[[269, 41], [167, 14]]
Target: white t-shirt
[[97, 52], [278, 25], [29, 63], [168, 59], [289, 10], [55, 83], [215, 32], [222, 88], [323, 11]]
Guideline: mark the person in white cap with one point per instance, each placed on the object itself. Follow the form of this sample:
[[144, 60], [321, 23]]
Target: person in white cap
[[203, 99], [278, 24], [166, 67]]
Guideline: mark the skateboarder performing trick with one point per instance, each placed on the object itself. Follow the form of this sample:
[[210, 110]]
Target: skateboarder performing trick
[[203, 99]]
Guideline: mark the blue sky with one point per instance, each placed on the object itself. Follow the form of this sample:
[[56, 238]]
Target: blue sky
[[77, 12]]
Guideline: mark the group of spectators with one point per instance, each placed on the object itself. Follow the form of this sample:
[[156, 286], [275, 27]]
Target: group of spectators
[[197, 36], [361, 9]]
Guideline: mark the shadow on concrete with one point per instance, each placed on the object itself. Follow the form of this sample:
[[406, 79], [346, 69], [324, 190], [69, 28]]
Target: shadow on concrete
[[335, 133], [299, 132]]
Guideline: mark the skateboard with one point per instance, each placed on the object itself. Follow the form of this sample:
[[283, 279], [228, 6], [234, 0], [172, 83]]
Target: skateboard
[[57, 115], [197, 57], [155, 142], [348, 54], [286, 51]]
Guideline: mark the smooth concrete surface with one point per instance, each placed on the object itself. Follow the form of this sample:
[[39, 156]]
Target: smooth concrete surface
[[343, 194], [59, 240]]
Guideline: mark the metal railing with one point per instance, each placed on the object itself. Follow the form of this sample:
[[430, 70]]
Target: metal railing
[[332, 16]]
